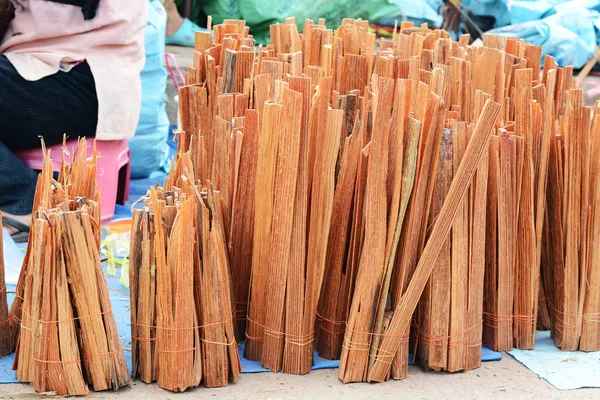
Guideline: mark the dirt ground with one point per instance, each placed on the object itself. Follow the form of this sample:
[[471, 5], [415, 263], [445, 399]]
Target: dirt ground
[[506, 379]]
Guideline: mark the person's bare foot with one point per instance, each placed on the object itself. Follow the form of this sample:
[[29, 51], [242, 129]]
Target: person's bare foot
[[24, 219]]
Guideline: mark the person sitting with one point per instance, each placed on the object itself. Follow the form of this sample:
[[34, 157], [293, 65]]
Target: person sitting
[[66, 67]]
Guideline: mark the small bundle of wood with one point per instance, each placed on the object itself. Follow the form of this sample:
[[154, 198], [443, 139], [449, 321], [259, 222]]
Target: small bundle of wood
[[571, 256], [6, 342], [68, 336], [181, 307]]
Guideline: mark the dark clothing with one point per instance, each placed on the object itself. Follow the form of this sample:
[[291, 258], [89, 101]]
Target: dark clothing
[[88, 7], [62, 103]]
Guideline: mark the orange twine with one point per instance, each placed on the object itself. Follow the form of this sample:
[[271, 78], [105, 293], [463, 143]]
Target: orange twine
[[382, 355], [152, 339], [90, 357], [178, 350], [441, 340], [498, 320], [561, 325], [297, 340], [332, 322]]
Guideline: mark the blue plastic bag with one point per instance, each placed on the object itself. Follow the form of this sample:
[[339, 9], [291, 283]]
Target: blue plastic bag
[[569, 36], [149, 148], [418, 12], [528, 10], [493, 8]]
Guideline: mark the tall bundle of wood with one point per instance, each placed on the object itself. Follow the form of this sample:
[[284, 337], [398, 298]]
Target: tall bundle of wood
[[6, 342], [271, 113], [570, 262], [68, 336], [182, 313], [518, 175], [498, 226]]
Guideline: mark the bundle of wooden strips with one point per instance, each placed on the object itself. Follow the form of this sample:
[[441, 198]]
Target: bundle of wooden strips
[[508, 195], [68, 336], [571, 268], [242, 114], [519, 170], [333, 162], [6, 342], [181, 309]]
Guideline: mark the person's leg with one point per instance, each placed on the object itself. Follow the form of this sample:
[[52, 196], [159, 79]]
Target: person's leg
[[48, 108], [17, 183]]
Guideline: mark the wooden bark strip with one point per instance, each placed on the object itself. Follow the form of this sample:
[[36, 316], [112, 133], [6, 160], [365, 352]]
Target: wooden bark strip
[[322, 193], [569, 315], [101, 348], [478, 247], [410, 140], [590, 331], [355, 354], [220, 355], [263, 214], [281, 230], [337, 272], [292, 359], [457, 349], [499, 312], [403, 312], [6, 342], [143, 289], [242, 220], [416, 225], [434, 313], [526, 268]]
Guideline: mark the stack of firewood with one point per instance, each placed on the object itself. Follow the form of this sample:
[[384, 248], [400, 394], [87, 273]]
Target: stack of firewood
[[358, 185], [182, 314], [570, 253], [68, 338]]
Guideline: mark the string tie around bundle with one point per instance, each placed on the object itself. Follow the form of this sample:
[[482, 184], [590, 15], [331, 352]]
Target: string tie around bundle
[[497, 321], [42, 322], [179, 350], [297, 340], [562, 325], [240, 312], [366, 346], [332, 323], [88, 357], [300, 340], [176, 329], [443, 341]]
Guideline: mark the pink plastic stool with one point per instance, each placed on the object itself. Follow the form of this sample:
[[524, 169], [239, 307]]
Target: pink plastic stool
[[113, 178]]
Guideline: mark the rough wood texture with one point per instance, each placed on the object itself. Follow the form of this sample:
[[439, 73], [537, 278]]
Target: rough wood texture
[[403, 313], [6, 342], [68, 337]]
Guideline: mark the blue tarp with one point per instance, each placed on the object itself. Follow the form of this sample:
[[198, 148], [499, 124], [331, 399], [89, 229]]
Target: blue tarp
[[570, 35], [563, 369]]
